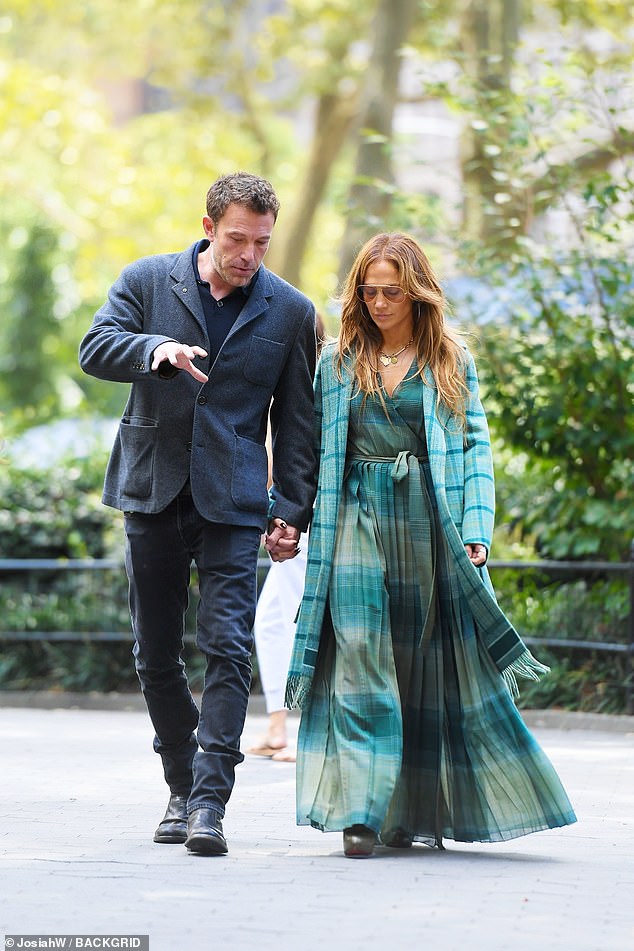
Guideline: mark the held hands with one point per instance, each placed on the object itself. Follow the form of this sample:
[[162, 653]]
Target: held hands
[[281, 540], [477, 554], [180, 356]]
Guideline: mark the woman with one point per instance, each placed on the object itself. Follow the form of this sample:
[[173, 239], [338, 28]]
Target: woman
[[403, 664], [274, 632]]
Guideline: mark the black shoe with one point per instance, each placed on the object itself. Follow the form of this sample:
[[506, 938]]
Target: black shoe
[[204, 833], [173, 825], [397, 839]]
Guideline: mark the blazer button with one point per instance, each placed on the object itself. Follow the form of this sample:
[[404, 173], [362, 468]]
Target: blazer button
[[202, 400], [188, 447]]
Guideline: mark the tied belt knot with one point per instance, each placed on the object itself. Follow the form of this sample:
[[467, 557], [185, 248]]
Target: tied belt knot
[[404, 463]]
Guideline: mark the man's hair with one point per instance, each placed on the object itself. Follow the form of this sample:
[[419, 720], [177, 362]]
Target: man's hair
[[241, 188]]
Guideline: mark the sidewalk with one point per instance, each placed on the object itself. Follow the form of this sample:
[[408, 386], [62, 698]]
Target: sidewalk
[[81, 793]]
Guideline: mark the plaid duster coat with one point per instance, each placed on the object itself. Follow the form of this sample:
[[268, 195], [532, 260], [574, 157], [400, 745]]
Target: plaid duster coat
[[462, 474]]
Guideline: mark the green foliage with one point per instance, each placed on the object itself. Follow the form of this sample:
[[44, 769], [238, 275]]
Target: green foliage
[[560, 385], [557, 338], [25, 370], [79, 666], [593, 609], [37, 360], [77, 600], [55, 513], [48, 665], [88, 184], [107, 195], [587, 683], [537, 125], [581, 608]]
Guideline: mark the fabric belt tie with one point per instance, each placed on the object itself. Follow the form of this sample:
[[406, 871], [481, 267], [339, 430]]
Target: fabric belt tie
[[406, 465]]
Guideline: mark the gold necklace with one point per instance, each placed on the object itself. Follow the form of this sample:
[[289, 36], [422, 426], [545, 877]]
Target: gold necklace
[[387, 358]]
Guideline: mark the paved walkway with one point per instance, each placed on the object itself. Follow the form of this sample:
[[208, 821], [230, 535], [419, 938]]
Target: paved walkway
[[81, 793]]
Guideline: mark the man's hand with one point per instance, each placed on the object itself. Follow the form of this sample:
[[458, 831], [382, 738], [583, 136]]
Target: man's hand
[[281, 540], [180, 356]]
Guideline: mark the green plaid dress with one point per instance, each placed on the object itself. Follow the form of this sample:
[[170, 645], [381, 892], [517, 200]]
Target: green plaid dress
[[408, 723]]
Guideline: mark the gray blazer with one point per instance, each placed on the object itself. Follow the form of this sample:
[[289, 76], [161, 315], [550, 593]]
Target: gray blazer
[[214, 433]]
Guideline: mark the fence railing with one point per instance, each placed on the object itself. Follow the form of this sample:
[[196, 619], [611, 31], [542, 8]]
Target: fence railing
[[545, 569]]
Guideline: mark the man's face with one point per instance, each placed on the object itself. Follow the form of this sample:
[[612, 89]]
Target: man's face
[[239, 241]]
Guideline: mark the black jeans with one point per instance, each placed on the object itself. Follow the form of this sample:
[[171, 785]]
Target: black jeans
[[159, 552]]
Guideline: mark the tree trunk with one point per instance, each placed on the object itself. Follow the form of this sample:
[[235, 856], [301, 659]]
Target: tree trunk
[[489, 35], [335, 116], [370, 196]]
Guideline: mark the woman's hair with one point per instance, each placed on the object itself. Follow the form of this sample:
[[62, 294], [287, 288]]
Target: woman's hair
[[321, 333], [437, 345]]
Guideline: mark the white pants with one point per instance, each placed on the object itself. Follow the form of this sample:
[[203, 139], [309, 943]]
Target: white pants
[[274, 627]]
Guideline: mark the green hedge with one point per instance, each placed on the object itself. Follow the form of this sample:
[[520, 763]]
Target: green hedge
[[594, 609], [56, 512]]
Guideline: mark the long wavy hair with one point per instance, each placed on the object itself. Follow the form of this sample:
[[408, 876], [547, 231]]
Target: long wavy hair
[[437, 346]]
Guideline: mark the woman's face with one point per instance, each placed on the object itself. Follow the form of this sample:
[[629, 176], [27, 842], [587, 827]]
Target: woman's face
[[394, 320]]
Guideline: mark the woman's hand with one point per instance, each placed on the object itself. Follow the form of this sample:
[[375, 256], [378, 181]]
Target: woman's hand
[[477, 554]]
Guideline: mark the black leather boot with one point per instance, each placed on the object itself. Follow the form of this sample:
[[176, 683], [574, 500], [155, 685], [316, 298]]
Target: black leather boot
[[204, 833], [173, 826]]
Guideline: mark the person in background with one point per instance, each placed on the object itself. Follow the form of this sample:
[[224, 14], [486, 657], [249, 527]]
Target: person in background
[[213, 344], [404, 665], [274, 632]]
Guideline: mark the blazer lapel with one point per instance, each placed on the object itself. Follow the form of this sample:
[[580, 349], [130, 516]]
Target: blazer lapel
[[185, 286], [186, 290], [256, 303]]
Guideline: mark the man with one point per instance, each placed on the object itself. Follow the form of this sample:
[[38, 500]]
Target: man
[[212, 342]]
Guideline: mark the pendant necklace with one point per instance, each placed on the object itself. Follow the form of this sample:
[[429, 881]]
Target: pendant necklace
[[387, 358]]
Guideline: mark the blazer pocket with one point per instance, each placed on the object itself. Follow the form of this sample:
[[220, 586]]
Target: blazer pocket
[[249, 476], [264, 361], [138, 435]]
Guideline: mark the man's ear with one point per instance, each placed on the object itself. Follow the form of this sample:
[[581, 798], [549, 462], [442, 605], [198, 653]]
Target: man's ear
[[208, 227]]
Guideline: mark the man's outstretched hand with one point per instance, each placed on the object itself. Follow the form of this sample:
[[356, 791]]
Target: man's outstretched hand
[[180, 355]]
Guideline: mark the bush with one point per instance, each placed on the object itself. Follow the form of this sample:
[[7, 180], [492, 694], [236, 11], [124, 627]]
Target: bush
[[80, 666], [580, 609], [558, 378], [56, 513]]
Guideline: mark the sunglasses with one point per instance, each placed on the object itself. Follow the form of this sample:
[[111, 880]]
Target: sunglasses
[[369, 292]]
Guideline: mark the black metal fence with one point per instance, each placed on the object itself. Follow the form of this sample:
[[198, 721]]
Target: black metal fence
[[103, 583]]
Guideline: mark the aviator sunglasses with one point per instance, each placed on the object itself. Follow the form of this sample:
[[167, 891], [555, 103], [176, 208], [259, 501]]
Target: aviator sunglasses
[[369, 292]]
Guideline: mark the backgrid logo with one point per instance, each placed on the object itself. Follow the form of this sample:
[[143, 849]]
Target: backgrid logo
[[72, 942]]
